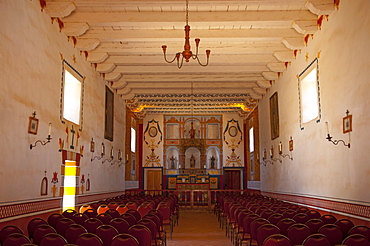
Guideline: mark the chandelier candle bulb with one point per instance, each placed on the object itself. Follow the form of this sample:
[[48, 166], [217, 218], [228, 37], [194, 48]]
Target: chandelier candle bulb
[[49, 133], [280, 148], [327, 128]]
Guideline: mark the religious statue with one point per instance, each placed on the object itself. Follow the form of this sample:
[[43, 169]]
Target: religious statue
[[192, 161], [173, 162], [192, 131], [213, 162]]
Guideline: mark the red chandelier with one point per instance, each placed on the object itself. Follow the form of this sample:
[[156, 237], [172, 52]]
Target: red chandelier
[[186, 54]]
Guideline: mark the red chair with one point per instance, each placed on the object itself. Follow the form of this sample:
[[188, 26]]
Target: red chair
[[89, 239], [130, 218], [301, 218], [328, 219], [69, 213], [255, 225], [316, 240], [33, 224], [73, 232], [92, 224], [8, 230], [53, 239], [161, 233], [41, 231], [121, 209], [112, 205], [284, 225], [302, 210], [16, 239], [277, 240], [106, 234], [290, 213], [314, 225], [332, 233], [152, 227], [267, 213], [120, 224], [246, 233], [134, 213], [361, 229], [142, 234], [265, 231], [79, 218], [356, 240], [131, 205], [113, 213], [143, 209], [84, 207], [104, 218], [297, 233], [54, 218], [124, 240], [102, 208], [91, 213], [345, 225], [167, 218], [313, 214], [275, 218], [62, 226]]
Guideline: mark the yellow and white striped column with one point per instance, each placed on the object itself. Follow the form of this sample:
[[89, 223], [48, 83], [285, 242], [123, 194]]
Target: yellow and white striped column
[[71, 174]]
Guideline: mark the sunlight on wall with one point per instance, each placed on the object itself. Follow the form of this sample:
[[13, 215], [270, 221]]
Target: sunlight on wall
[[69, 193]]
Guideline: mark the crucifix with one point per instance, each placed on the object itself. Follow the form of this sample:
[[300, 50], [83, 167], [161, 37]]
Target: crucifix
[[73, 136]]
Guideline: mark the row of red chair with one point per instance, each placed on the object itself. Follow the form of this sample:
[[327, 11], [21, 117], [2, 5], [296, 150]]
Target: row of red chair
[[251, 219]]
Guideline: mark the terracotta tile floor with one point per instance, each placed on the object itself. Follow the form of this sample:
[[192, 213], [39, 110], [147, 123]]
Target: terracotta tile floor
[[197, 228]]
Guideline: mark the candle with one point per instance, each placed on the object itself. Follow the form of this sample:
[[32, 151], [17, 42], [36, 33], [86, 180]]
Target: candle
[[119, 155], [111, 153], [49, 129], [102, 149], [271, 152], [280, 148], [327, 128]]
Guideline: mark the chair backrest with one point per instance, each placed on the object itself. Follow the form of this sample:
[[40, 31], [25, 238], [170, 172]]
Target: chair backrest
[[7, 230], [151, 226], [275, 218], [91, 213], [121, 209], [265, 231], [102, 208], [79, 218], [361, 229], [16, 239], [297, 233], [120, 224], [166, 212], [84, 207], [113, 213], [62, 225], [124, 239], [345, 225], [33, 224], [156, 220], [284, 225], [301, 218], [277, 240], [104, 218], [89, 239], [356, 240], [316, 240], [131, 205], [302, 210], [142, 234], [130, 218], [134, 213], [255, 225], [290, 213], [69, 213], [53, 239], [54, 218], [112, 205], [328, 218], [73, 232], [92, 224], [314, 225], [332, 233], [143, 209], [247, 222], [313, 214], [41, 231], [106, 234], [267, 213]]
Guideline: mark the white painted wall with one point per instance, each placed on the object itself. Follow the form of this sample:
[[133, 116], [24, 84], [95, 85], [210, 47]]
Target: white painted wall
[[320, 168], [30, 75]]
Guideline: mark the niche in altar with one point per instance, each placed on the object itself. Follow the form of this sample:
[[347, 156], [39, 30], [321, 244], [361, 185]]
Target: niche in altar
[[192, 149]]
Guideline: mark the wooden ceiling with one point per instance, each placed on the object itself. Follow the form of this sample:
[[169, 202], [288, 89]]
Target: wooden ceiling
[[251, 41]]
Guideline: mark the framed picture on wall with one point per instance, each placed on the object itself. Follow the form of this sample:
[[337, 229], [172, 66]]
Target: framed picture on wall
[[109, 115], [347, 124], [33, 125], [274, 116]]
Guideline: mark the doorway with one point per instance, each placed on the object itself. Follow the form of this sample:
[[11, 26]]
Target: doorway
[[232, 179], [154, 179]]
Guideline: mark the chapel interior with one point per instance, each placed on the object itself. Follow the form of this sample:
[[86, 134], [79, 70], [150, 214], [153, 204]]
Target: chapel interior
[[193, 100]]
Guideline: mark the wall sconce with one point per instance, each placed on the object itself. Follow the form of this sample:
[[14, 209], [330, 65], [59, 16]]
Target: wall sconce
[[111, 156], [290, 157], [119, 158], [264, 158], [102, 153], [347, 128], [43, 142], [272, 155]]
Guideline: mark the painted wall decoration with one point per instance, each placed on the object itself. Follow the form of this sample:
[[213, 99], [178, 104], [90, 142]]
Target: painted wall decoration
[[233, 138], [44, 186], [54, 181], [274, 116], [152, 139]]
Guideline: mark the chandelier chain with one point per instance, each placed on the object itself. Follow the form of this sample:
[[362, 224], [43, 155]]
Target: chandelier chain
[[187, 12]]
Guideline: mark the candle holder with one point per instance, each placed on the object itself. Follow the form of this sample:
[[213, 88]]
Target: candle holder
[[335, 142], [290, 157], [119, 158], [272, 155], [347, 128], [264, 158], [111, 157], [42, 142], [101, 154]]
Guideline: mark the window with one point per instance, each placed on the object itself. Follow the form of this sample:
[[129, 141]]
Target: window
[[251, 140], [72, 94], [133, 140], [309, 94]]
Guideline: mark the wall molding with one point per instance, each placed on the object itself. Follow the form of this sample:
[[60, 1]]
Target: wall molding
[[335, 205]]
